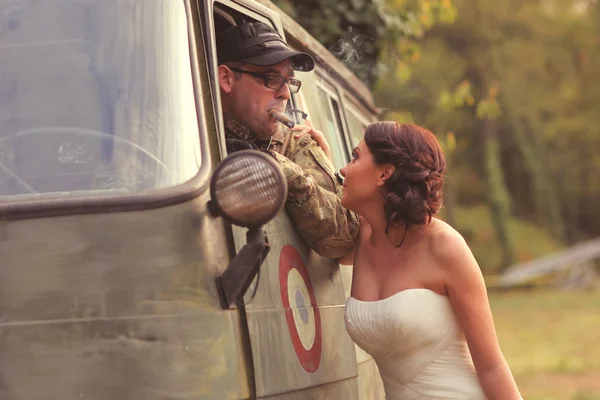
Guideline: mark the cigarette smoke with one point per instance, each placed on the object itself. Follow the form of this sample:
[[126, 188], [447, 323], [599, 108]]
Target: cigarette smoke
[[351, 50]]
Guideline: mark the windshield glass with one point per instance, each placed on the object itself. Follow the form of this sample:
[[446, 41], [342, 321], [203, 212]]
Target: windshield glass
[[95, 95]]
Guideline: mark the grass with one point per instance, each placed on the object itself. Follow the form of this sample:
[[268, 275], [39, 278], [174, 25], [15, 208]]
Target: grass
[[551, 342]]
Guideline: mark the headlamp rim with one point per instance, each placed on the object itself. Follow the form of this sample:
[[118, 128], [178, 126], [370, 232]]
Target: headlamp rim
[[282, 184]]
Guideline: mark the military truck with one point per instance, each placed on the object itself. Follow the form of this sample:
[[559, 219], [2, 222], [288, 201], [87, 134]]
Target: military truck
[[137, 259]]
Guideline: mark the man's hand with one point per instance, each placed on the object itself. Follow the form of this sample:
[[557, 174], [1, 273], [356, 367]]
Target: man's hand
[[318, 136]]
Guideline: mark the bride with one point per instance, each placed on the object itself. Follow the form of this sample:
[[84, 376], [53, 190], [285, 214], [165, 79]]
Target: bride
[[418, 301]]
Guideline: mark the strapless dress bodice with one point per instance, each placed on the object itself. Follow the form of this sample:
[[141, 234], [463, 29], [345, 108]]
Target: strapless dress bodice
[[418, 346]]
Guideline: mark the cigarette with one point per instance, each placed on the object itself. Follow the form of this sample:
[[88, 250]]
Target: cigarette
[[281, 118]]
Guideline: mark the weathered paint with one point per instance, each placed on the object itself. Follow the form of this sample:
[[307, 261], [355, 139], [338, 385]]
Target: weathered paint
[[302, 312], [118, 306], [343, 390], [277, 368], [124, 305]]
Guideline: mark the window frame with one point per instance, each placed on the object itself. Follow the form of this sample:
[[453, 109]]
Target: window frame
[[352, 109], [333, 94], [259, 13], [56, 204]]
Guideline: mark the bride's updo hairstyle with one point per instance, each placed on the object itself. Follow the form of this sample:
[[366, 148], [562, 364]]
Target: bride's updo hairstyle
[[413, 194]]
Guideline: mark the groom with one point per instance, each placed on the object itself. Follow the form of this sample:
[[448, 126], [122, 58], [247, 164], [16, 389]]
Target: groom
[[256, 74]]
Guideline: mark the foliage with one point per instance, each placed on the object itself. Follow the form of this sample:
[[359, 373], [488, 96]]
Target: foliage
[[363, 32], [489, 108], [512, 84], [533, 67]]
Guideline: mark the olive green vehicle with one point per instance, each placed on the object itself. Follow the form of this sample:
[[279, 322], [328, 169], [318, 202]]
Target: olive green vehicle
[[137, 260]]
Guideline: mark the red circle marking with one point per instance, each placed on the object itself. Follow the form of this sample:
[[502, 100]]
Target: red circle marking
[[290, 259]]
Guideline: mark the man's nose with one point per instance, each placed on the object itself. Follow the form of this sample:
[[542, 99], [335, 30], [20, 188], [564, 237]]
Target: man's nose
[[284, 93], [343, 171]]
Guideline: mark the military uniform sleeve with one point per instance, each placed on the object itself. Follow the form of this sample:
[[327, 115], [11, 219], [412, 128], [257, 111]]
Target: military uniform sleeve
[[314, 200]]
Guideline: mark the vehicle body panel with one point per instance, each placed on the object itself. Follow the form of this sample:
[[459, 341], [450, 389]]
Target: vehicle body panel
[[114, 297], [118, 305]]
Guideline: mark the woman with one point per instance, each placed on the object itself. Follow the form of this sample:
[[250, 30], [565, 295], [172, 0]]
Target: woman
[[418, 302]]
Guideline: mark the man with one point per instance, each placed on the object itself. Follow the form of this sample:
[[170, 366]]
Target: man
[[256, 74]]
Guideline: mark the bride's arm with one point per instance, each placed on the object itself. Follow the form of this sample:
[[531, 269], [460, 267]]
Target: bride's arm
[[468, 296]]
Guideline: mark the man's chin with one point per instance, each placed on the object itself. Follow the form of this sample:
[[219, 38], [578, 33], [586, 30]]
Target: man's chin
[[265, 130], [271, 128]]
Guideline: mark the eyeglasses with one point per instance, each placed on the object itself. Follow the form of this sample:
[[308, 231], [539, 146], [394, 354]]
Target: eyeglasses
[[274, 82]]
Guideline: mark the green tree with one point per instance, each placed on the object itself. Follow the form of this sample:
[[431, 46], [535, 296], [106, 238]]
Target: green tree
[[531, 149], [362, 33]]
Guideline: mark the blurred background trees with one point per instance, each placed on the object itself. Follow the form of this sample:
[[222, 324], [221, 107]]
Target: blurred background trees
[[511, 89]]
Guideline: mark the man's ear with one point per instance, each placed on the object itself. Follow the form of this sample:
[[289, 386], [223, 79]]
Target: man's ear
[[385, 173], [226, 78]]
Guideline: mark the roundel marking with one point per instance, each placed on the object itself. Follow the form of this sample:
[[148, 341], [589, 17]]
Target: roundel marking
[[301, 310]]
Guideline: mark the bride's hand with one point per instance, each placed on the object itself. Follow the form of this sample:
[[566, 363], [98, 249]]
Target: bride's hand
[[318, 136]]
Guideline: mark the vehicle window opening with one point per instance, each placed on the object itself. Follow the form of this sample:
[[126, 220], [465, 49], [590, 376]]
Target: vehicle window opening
[[356, 126], [106, 106], [332, 127], [338, 122], [226, 17]]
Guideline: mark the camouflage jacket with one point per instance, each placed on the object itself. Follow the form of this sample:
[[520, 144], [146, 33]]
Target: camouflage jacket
[[314, 195]]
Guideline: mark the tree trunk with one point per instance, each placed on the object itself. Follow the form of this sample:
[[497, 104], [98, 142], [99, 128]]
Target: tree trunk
[[497, 193], [547, 205]]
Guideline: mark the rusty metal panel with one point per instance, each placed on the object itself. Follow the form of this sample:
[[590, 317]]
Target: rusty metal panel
[[295, 307], [343, 390], [279, 369], [118, 303], [111, 265], [182, 357], [325, 273], [296, 320]]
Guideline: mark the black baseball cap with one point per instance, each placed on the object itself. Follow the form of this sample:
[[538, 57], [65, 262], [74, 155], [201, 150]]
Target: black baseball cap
[[258, 44]]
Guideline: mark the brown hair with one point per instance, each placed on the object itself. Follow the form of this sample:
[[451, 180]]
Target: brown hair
[[413, 194]]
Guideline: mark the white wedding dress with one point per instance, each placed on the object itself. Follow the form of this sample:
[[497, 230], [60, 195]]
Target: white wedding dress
[[418, 346]]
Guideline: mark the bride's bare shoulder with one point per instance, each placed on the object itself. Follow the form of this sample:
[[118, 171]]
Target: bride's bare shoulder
[[444, 240], [448, 246]]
